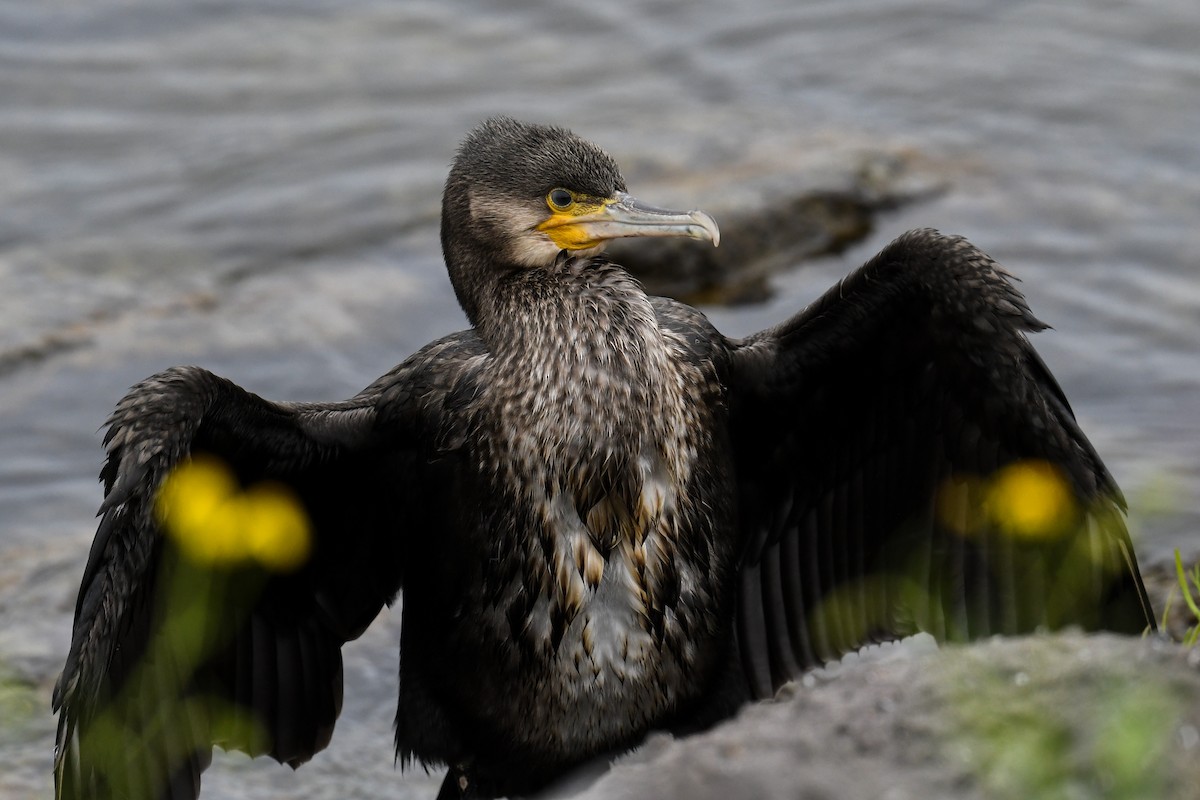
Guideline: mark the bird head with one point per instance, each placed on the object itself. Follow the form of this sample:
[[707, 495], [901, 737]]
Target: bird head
[[519, 194]]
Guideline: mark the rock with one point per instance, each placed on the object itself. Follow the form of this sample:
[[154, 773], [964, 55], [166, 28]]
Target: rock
[[1066, 715]]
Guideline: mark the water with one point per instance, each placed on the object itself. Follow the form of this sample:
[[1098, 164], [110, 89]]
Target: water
[[255, 187]]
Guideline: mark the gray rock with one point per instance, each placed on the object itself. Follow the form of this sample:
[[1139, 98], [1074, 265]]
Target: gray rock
[[1061, 716]]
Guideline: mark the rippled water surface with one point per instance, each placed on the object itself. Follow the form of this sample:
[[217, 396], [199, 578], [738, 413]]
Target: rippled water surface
[[255, 186]]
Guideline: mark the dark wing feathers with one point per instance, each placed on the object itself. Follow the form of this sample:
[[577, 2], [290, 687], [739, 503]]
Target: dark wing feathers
[[134, 719], [864, 430], [905, 386]]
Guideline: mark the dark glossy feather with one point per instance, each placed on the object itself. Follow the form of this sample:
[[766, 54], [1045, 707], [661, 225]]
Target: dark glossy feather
[[848, 421], [135, 719]]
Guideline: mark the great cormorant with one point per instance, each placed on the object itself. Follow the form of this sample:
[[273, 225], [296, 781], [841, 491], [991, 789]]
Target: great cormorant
[[605, 517]]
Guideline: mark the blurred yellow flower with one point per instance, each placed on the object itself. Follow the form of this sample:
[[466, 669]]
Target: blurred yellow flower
[[216, 524], [959, 504], [277, 529], [1027, 499], [1031, 499]]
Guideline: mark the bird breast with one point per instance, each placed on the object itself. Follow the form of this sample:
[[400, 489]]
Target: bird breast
[[597, 576], [602, 474]]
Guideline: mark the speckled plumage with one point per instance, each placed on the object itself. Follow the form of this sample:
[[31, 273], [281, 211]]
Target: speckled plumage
[[605, 517], [590, 490]]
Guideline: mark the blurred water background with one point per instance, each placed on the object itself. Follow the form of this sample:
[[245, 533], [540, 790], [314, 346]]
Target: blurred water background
[[254, 186]]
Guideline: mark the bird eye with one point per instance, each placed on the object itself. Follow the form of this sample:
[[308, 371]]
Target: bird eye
[[560, 199]]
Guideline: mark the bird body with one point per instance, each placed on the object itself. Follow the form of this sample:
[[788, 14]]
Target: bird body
[[605, 517], [584, 577]]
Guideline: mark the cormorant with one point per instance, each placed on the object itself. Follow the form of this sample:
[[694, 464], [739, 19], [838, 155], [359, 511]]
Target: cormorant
[[605, 517]]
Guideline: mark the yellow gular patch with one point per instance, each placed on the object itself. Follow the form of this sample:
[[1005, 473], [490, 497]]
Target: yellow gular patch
[[568, 229]]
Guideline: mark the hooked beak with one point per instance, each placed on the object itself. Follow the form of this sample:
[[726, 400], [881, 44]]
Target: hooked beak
[[622, 216]]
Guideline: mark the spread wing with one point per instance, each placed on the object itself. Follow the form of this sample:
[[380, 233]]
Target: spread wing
[[171, 654], [907, 462]]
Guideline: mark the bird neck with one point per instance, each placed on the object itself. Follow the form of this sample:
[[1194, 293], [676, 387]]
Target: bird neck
[[584, 310], [583, 384]]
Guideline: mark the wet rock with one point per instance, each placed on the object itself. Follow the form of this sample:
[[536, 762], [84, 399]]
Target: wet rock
[[1068, 715]]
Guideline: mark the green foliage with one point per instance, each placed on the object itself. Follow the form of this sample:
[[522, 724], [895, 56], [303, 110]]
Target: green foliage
[[158, 713], [1188, 583], [221, 546], [19, 703], [1116, 747], [1132, 740]]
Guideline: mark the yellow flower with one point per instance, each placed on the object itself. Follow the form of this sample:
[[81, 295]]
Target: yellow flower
[[215, 523], [1027, 499], [1031, 499], [959, 504], [277, 527]]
